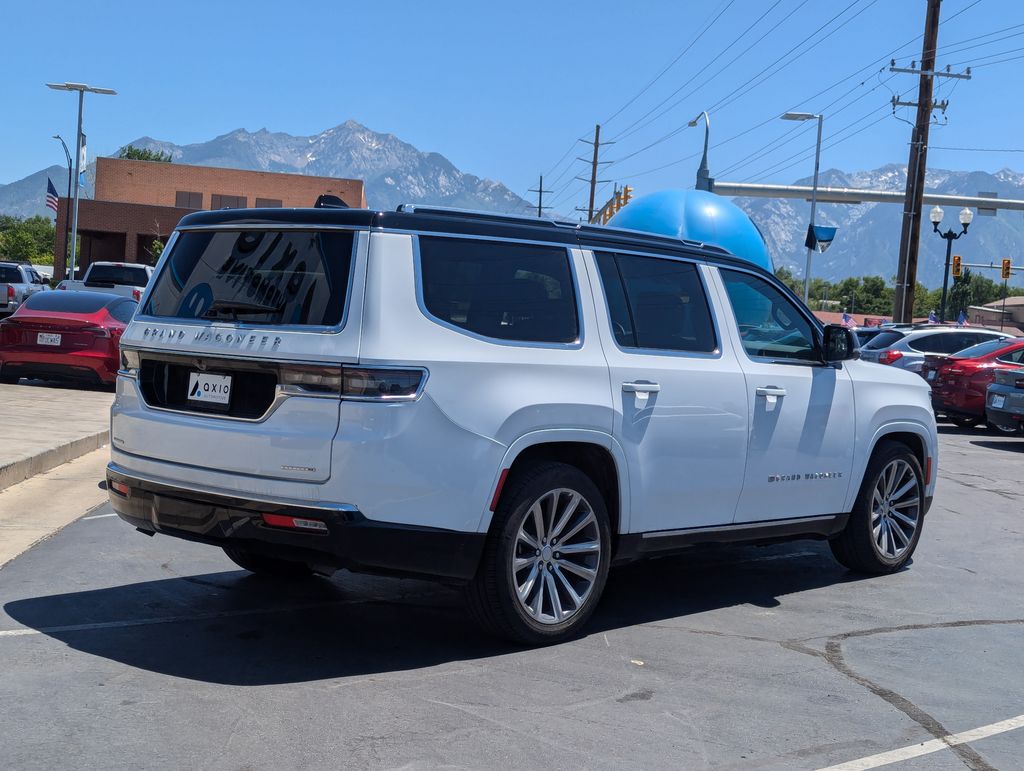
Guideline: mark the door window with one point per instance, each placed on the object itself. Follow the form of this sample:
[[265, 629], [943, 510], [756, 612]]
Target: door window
[[656, 303], [771, 326]]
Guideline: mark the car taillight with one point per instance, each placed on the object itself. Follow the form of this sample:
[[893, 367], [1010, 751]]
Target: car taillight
[[1018, 383], [97, 331], [10, 293], [888, 357], [381, 384], [136, 294]]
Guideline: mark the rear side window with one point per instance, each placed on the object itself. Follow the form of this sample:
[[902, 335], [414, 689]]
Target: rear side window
[[507, 291], [123, 311], [10, 275], [656, 303], [883, 340], [1013, 357], [117, 274], [949, 342], [256, 276], [69, 302]]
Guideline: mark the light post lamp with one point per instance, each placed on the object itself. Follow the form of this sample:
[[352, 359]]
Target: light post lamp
[[801, 116], [704, 180], [81, 88], [67, 215], [966, 215]]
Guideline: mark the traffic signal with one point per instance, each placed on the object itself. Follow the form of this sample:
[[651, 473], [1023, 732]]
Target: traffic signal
[[627, 193], [618, 200], [957, 267], [1007, 265]]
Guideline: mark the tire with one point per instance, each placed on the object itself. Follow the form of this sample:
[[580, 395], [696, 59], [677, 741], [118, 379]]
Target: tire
[[1004, 430], [963, 421], [555, 490], [9, 379], [857, 547], [271, 567]]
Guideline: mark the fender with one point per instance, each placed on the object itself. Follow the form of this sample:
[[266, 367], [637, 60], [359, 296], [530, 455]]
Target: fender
[[894, 427], [548, 436]]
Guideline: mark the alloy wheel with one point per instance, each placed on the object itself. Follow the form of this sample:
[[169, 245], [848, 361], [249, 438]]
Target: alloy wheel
[[895, 509]]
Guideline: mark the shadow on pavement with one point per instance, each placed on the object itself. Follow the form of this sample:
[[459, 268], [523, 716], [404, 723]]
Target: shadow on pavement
[[1006, 444], [236, 629]]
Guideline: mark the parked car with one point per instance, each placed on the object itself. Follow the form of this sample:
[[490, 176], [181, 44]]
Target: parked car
[[1004, 404], [906, 348], [123, 278], [70, 336], [867, 334], [512, 404], [959, 381], [18, 281]]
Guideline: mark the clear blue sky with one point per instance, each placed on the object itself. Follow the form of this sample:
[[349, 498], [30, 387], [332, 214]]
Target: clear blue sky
[[503, 89]]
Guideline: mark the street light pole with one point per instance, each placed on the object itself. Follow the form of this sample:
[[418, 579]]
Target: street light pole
[[704, 180], [801, 116], [966, 216], [67, 215], [81, 88]]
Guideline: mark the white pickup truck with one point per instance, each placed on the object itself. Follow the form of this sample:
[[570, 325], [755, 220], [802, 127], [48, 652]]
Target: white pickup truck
[[123, 278]]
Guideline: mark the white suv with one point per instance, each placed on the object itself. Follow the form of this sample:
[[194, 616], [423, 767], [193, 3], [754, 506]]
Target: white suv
[[511, 404]]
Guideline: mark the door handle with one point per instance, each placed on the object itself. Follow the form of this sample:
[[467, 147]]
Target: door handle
[[641, 388], [770, 391]]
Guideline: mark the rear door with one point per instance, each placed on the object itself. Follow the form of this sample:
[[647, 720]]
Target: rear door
[[679, 402], [239, 347]]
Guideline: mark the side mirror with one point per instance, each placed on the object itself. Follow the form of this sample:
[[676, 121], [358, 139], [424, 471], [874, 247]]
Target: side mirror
[[839, 344]]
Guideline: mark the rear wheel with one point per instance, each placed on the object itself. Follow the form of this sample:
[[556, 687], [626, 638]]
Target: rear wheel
[[1005, 430], [885, 524], [262, 565], [963, 421], [547, 555]]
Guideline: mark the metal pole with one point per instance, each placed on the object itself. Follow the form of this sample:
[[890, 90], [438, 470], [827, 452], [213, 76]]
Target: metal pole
[[593, 173], [945, 278], [814, 205], [704, 181], [540, 197], [78, 172], [1002, 316], [67, 214]]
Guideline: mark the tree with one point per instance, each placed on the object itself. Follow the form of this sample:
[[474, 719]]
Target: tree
[[961, 295], [156, 249], [28, 240], [17, 245], [785, 275], [133, 153]]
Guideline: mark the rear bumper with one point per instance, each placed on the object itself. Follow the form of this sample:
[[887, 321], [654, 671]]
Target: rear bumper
[[351, 541], [82, 366], [959, 404]]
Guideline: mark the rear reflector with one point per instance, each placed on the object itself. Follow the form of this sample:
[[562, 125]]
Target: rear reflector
[[497, 489], [120, 488], [295, 523], [928, 471]]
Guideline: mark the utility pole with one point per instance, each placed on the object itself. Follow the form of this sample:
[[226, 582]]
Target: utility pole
[[540, 191], [594, 163], [910, 233]]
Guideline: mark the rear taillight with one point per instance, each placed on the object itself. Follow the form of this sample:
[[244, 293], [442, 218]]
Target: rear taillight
[[10, 293], [295, 523], [136, 294], [888, 357], [97, 331], [62, 285], [1018, 383], [312, 378], [381, 384]]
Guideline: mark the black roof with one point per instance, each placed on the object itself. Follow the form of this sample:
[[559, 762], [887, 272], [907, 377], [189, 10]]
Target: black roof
[[426, 219]]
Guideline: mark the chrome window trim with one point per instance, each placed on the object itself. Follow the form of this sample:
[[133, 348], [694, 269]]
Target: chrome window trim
[[697, 263], [574, 277], [738, 526], [269, 226], [303, 328]]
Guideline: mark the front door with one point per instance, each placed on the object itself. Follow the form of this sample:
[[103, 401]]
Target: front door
[[801, 411], [680, 410]]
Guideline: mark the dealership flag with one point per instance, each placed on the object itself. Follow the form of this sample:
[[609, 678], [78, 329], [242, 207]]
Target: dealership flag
[[961, 320], [932, 318], [51, 195], [848, 321]]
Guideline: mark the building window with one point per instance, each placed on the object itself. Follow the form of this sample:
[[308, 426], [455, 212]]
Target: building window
[[218, 201], [268, 203], [185, 199]]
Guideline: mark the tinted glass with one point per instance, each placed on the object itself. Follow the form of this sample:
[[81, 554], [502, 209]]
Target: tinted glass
[[69, 302], [123, 311], [946, 342], [502, 290], [256, 276], [770, 324], [883, 340], [983, 349], [664, 308], [117, 274], [10, 275], [1014, 357]]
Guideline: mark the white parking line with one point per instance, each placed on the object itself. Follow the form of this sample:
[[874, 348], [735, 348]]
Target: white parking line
[[926, 748], [98, 516]]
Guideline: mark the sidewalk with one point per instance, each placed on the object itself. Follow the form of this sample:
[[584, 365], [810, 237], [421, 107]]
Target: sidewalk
[[42, 427]]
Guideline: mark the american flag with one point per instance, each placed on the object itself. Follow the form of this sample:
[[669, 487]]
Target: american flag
[[848, 321], [51, 195], [961, 320], [932, 318]]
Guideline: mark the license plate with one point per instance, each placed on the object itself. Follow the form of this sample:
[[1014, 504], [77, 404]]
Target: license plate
[[45, 338], [932, 373], [209, 389], [998, 400]]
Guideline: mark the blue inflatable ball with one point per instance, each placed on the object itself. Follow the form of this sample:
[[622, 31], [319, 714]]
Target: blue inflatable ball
[[698, 216]]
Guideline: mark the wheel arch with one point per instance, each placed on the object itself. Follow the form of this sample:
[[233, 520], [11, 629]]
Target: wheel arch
[[915, 437], [595, 453]]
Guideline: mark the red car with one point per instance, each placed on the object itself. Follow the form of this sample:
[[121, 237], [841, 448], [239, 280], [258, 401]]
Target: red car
[[65, 336], [959, 381]]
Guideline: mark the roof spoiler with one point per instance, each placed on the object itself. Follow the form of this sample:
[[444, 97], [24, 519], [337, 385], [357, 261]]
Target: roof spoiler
[[327, 201]]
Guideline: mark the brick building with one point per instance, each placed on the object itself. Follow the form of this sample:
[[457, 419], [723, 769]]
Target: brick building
[[137, 202]]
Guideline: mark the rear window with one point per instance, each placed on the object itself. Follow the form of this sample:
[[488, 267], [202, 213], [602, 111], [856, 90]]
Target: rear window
[[502, 290], [117, 274], [947, 342], [256, 276], [9, 275], [883, 340], [69, 302], [983, 349]]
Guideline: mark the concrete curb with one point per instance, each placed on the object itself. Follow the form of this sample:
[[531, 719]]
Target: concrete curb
[[24, 468]]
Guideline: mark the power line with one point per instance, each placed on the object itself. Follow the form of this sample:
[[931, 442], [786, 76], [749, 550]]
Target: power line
[[999, 61], [978, 149]]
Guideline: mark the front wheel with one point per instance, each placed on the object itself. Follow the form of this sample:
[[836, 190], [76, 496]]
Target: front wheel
[[885, 524], [546, 559], [1004, 430], [271, 567]]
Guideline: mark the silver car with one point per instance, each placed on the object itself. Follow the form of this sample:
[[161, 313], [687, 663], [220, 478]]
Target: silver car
[[907, 347], [17, 282]]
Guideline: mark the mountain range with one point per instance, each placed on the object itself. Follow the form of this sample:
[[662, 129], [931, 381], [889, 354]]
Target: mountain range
[[395, 172]]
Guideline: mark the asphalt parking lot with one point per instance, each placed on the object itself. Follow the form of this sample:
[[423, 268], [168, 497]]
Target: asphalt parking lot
[[125, 651]]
